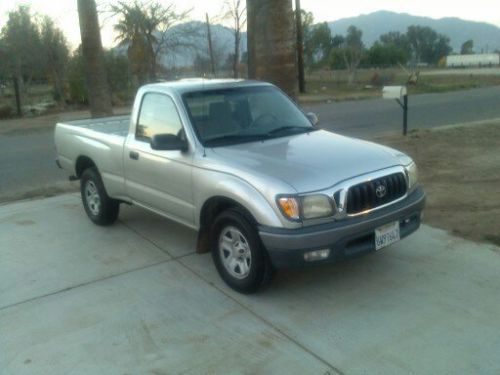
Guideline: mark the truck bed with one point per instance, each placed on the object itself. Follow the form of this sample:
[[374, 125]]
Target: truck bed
[[100, 140], [115, 125]]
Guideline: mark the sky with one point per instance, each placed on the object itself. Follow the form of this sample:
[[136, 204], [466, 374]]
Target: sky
[[64, 12]]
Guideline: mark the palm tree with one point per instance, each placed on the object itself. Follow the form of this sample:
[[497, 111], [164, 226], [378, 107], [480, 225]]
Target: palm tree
[[147, 30], [95, 72], [130, 32]]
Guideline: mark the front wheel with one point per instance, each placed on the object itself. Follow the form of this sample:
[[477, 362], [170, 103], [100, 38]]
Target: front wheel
[[238, 254], [100, 208]]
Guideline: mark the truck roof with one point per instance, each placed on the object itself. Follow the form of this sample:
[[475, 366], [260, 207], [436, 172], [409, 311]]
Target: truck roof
[[200, 84]]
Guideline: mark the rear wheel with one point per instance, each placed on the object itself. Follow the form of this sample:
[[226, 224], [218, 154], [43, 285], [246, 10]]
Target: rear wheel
[[238, 254], [100, 208]]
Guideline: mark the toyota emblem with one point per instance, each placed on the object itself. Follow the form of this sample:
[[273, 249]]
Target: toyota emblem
[[380, 191]]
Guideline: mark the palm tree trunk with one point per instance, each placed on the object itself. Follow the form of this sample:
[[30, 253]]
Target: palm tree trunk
[[95, 72], [272, 43], [300, 47]]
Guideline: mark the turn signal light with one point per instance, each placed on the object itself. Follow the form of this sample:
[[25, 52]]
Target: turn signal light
[[290, 207]]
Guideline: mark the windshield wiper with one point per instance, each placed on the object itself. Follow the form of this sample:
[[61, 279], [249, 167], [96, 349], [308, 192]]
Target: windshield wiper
[[290, 127], [242, 138], [234, 138]]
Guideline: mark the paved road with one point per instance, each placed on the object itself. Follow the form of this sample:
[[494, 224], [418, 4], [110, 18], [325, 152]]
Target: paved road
[[135, 298], [27, 164], [26, 161], [365, 118]]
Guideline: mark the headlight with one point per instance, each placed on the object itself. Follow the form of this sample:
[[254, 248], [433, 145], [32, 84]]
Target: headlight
[[316, 206], [307, 207], [411, 172]]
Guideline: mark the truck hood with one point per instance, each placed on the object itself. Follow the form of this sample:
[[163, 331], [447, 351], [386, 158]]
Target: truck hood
[[307, 162]]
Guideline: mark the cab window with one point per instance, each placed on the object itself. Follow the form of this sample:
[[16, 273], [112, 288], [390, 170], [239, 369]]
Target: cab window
[[158, 115]]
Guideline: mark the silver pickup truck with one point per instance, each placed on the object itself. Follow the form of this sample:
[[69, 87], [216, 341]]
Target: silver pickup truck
[[240, 163]]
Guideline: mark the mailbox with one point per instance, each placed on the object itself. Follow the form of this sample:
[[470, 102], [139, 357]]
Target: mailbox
[[394, 92], [401, 95]]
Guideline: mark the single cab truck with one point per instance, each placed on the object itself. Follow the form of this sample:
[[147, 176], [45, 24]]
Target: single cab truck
[[239, 162]]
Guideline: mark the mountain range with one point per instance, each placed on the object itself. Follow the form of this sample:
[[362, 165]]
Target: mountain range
[[222, 43], [486, 36]]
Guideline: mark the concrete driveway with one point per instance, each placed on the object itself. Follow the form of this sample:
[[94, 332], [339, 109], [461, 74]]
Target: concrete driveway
[[134, 298]]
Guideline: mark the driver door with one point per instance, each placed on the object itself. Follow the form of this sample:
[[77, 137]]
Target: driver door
[[159, 180]]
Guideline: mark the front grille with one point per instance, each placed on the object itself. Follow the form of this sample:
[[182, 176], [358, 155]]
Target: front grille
[[375, 193]]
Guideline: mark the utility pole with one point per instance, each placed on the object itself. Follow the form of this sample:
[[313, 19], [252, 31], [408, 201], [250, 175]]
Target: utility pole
[[210, 48], [300, 47]]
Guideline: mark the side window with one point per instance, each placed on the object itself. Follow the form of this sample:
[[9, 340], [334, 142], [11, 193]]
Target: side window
[[158, 115]]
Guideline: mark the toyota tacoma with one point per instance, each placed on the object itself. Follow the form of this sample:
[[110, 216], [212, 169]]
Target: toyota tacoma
[[240, 163]]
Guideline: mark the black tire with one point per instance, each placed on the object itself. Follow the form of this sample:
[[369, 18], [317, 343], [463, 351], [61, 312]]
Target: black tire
[[260, 270], [102, 210]]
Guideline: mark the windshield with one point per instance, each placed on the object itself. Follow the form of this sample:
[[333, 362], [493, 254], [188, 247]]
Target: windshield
[[243, 114]]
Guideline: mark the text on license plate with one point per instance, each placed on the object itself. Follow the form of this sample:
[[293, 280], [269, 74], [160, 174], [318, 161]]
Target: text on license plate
[[386, 235]]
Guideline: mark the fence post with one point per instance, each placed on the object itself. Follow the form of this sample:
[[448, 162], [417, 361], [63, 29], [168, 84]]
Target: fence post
[[405, 114], [17, 95]]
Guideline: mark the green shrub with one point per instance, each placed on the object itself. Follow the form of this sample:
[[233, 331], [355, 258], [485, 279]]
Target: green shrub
[[6, 111], [118, 78], [76, 79]]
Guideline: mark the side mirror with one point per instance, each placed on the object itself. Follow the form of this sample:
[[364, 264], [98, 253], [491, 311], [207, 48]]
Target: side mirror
[[313, 118], [168, 142]]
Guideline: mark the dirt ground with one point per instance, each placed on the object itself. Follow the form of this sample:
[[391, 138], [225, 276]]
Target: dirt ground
[[459, 168]]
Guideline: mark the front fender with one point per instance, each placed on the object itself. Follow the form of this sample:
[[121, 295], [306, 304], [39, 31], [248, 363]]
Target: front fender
[[211, 184]]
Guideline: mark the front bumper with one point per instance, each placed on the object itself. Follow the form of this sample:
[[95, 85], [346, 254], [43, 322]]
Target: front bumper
[[347, 238]]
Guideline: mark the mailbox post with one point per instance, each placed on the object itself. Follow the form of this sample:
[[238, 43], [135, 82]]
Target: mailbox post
[[401, 95]]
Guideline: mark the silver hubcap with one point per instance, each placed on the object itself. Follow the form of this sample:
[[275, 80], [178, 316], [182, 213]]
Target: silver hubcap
[[235, 252], [92, 198]]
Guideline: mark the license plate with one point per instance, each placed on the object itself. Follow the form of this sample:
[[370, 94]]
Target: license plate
[[386, 235]]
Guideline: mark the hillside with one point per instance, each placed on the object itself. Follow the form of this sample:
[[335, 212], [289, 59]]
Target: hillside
[[486, 37], [222, 40]]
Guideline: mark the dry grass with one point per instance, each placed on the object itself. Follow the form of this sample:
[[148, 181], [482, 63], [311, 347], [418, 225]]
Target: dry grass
[[460, 170], [333, 85]]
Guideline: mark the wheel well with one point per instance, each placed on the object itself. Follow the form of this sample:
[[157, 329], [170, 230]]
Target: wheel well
[[82, 163], [210, 210]]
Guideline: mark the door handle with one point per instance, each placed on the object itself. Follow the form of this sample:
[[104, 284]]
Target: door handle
[[134, 155]]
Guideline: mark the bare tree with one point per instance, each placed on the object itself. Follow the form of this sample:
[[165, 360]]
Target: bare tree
[[352, 51], [55, 54], [160, 32], [22, 50], [236, 10], [97, 81], [215, 52]]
